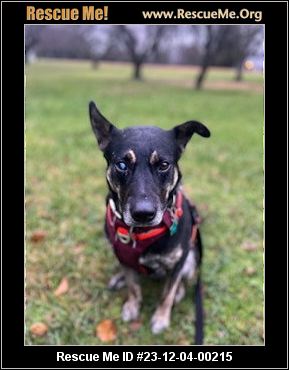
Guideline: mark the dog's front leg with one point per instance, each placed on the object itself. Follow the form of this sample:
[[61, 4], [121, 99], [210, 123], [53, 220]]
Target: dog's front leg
[[162, 315], [117, 281], [131, 307]]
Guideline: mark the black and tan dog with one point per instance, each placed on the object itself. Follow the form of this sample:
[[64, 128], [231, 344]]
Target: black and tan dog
[[151, 225]]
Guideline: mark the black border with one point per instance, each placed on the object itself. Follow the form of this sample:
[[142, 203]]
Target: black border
[[274, 353]]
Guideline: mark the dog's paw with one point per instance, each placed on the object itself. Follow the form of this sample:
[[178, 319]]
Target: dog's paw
[[159, 323], [130, 310], [117, 281]]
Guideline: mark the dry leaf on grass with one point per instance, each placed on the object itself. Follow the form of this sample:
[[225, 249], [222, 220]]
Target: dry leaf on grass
[[135, 325], [44, 214], [249, 271], [106, 331], [38, 236], [221, 333], [62, 288], [39, 329], [79, 248], [203, 207], [249, 246], [184, 342]]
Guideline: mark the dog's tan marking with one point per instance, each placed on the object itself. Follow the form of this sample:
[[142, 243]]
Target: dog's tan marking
[[173, 184], [108, 177], [130, 155], [180, 293], [130, 310], [170, 259], [113, 186], [173, 292], [176, 176], [166, 261], [162, 315], [154, 157]]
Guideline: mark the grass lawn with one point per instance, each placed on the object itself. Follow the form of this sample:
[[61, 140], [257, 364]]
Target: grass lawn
[[65, 190]]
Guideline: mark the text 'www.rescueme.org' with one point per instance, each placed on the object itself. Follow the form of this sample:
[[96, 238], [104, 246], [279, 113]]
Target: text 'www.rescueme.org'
[[255, 15]]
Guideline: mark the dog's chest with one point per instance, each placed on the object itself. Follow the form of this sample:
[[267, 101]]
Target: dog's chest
[[161, 264]]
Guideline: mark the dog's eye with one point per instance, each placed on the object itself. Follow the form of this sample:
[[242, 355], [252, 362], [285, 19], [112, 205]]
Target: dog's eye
[[121, 166], [164, 166]]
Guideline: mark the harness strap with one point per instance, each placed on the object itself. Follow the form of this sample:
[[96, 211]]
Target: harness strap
[[194, 233], [121, 231]]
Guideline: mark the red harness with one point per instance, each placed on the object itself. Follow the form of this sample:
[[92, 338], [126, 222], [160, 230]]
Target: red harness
[[129, 243]]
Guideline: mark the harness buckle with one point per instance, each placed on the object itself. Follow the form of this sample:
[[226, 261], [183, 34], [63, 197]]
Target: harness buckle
[[125, 239]]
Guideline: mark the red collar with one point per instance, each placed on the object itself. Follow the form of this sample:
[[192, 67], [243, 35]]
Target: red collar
[[129, 243]]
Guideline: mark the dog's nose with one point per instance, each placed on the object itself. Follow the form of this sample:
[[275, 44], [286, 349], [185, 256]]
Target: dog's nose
[[143, 211]]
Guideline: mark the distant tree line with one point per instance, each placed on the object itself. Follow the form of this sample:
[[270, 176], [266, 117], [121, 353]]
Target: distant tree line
[[204, 46]]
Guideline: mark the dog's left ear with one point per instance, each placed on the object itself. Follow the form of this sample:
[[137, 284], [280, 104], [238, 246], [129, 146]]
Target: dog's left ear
[[185, 131], [101, 127]]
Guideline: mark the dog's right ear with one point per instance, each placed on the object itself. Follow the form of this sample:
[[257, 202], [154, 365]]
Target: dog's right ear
[[185, 131], [101, 127]]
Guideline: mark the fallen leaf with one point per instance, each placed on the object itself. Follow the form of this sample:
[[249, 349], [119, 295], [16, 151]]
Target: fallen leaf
[[262, 335], [106, 331], [44, 214], [64, 226], [38, 235], [79, 248], [222, 157], [135, 325], [221, 333], [249, 246], [39, 329], [62, 288], [47, 282], [49, 317], [203, 207], [250, 271], [184, 342], [215, 172]]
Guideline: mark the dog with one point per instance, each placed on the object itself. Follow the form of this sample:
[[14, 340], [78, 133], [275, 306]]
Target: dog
[[151, 225]]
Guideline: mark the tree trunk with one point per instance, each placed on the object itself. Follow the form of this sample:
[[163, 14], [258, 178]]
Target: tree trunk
[[137, 71], [201, 77], [207, 59], [239, 73], [95, 63]]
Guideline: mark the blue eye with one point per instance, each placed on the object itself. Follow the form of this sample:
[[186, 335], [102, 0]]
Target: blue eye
[[121, 166]]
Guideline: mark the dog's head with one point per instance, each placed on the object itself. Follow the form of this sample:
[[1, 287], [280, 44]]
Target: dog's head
[[142, 165]]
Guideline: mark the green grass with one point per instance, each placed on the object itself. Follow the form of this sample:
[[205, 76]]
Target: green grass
[[65, 190]]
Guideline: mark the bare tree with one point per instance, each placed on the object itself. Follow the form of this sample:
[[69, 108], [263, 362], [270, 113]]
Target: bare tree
[[141, 43], [250, 41], [32, 38], [207, 56], [228, 45], [99, 41], [62, 41]]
